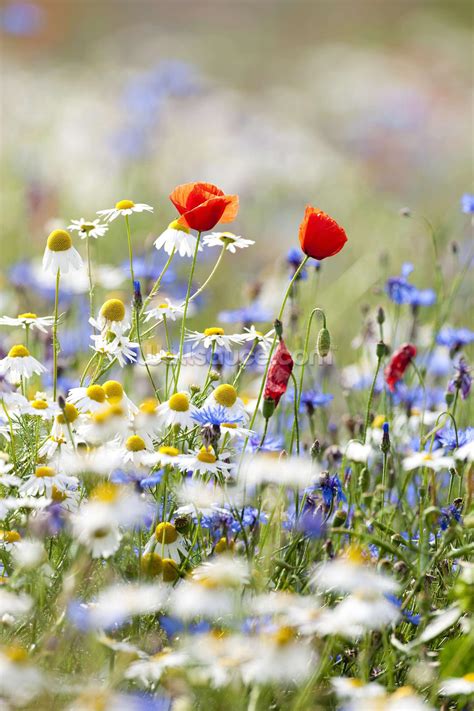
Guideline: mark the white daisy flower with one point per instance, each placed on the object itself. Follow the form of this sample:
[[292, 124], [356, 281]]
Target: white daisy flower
[[358, 452], [137, 451], [124, 207], [231, 241], [264, 340], [6, 477], [60, 254], [115, 395], [88, 399], [9, 539], [29, 320], [104, 425], [88, 228], [431, 460], [161, 357], [225, 395], [205, 461], [41, 406], [20, 681], [165, 309], [166, 541], [465, 452], [177, 238], [111, 317], [44, 479], [212, 337], [457, 686], [121, 348], [350, 573], [19, 364], [147, 418], [178, 410], [166, 456], [150, 670]]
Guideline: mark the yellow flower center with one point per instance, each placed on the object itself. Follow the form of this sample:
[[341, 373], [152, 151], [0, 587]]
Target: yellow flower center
[[39, 404], [10, 536], [402, 692], [124, 205], [44, 472], [356, 683], [378, 421], [469, 677], [59, 241], [163, 306], [170, 570], [113, 391], [428, 457], [169, 451], [207, 455], [15, 653], [229, 425], [27, 315], [105, 415], [113, 310], [96, 393], [227, 237], [354, 555], [57, 495], [69, 414], [148, 407], [18, 352], [223, 545], [105, 493], [135, 444], [284, 635], [214, 331], [175, 225], [151, 564], [179, 402], [165, 532], [225, 395]]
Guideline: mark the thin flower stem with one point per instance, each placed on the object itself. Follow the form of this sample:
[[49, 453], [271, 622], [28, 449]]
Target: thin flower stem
[[369, 401], [157, 283], [55, 335], [295, 424], [185, 311], [89, 274], [142, 353]]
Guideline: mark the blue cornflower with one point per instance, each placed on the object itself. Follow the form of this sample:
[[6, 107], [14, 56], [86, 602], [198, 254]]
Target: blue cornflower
[[447, 437], [311, 399], [294, 258], [454, 338], [215, 415], [409, 616], [311, 523], [331, 489], [153, 480], [401, 291], [254, 313], [448, 515], [22, 19], [271, 444], [467, 203], [462, 381]]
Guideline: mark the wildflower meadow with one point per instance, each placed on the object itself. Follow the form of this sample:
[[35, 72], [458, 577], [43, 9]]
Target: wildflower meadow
[[236, 417]]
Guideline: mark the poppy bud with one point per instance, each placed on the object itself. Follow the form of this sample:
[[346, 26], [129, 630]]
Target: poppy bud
[[268, 408], [323, 344], [381, 350], [364, 479], [279, 373]]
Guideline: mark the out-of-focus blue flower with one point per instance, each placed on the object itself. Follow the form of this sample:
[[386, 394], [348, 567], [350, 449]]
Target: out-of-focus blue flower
[[311, 399], [462, 380], [153, 480], [454, 338], [214, 415], [467, 203], [22, 19], [149, 267], [438, 363], [447, 437], [449, 514], [311, 523], [173, 626], [294, 258], [254, 313], [431, 398], [271, 444], [409, 616], [401, 291]]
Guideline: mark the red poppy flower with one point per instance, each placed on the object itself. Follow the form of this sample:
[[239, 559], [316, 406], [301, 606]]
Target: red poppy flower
[[203, 205], [398, 364], [279, 373], [320, 235]]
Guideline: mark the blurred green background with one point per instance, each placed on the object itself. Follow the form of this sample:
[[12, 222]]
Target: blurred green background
[[359, 108]]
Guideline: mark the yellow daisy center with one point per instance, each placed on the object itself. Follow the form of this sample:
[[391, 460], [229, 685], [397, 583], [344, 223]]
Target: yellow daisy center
[[44, 472], [151, 564], [165, 532], [59, 241], [105, 493], [179, 402], [214, 331], [124, 205], [170, 570], [356, 683], [27, 315], [227, 237], [113, 310], [10, 536], [96, 393], [15, 653], [175, 225], [354, 555], [39, 404], [148, 407], [18, 352], [402, 692], [169, 451], [135, 444], [101, 417], [229, 425], [223, 545], [428, 457], [69, 414], [57, 495], [284, 635], [225, 395], [113, 390], [206, 455], [163, 306], [469, 677]]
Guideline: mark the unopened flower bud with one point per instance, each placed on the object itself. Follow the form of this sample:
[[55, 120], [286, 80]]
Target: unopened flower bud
[[385, 444], [268, 408], [182, 524], [381, 350], [364, 479], [61, 402], [194, 389], [323, 343], [137, 295], [449, 398], [339, 517], [405, 212], [380, 315], [214, 375], [278, 326], [315, 449]]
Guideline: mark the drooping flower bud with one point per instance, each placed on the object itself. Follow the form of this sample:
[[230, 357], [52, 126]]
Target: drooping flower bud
[[279, 373], [323, 343]]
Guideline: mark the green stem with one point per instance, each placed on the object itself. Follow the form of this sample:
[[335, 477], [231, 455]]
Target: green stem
[[369, 402], [157, 283], [55, 336], [185, 311], [89, 274]]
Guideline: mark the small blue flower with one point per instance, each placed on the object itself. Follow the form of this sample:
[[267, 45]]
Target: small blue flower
[[311, 399], [254, 313], [409, 616], [447, 437], [400, 291], [454, 338], [449, 514], [467, 203], [215, 415]]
